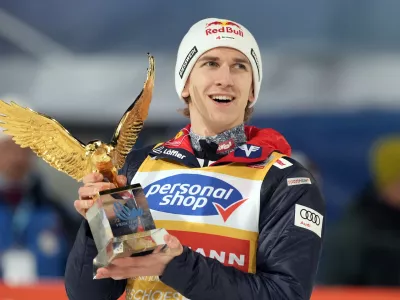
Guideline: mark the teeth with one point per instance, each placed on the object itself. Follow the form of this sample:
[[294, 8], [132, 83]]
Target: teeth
[[222, 98]]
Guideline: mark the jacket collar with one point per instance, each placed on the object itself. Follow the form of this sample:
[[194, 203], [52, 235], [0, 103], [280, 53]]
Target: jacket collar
[[260, 144]]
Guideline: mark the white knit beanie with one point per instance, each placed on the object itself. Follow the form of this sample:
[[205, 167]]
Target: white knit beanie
[[212, 33]]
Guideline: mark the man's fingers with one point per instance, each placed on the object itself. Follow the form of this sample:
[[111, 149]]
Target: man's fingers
[[105, 272], [174, 247], [135, 262], [105, 186], [93, 183], [82, 205], [92, 189], [171, 241], [92, 178], [113, 271], [159, 249], [122, 262], [121, 179], [87, 192], [118, 273]]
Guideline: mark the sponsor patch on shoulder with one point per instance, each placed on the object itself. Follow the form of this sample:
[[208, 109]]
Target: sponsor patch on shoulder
[[282, 163], [308, 218], [249, 151], [298, 181]]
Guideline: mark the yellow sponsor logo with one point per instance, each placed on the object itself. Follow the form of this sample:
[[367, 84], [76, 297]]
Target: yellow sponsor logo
[[178, 135]]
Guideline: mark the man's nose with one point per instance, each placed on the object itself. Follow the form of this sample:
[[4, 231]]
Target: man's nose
[[224, 77]]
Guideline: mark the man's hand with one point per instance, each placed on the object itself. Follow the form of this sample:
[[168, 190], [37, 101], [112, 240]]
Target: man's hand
[[93, 183], [149, 265]]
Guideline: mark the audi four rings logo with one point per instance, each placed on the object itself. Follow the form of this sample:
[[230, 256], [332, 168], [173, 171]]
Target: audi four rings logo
[[310, 216]]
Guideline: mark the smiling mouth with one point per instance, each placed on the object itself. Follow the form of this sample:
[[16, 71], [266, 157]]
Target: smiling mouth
[[222, 99]]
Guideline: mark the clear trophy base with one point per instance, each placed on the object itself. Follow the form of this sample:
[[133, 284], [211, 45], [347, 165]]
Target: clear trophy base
[[122, 225]]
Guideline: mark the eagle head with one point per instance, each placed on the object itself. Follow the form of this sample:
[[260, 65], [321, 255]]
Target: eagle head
[[99, 151]]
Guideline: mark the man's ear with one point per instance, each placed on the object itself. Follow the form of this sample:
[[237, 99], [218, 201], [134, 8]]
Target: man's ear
[[251, 95], [185, 92]]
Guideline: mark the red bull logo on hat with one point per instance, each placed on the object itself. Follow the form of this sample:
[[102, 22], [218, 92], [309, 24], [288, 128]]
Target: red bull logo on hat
[[223, 23], [225, 27]]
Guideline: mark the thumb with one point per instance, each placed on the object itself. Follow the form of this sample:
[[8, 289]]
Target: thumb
[[172, 242]]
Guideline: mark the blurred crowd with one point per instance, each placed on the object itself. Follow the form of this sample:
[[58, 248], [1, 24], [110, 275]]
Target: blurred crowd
[[36, 230], [363, 247]]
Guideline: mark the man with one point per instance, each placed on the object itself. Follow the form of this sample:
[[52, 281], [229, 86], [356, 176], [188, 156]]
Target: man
[[34, 227], [245, 222], [366, 240]]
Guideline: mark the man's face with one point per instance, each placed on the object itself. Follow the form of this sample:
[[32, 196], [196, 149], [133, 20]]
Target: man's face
[[392, 194], [219, 86], [15, 162]]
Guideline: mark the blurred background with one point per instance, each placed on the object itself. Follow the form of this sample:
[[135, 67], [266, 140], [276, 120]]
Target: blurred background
[[331, 87]]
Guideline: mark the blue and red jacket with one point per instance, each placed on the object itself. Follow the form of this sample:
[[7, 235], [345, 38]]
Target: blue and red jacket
[[290, 232]]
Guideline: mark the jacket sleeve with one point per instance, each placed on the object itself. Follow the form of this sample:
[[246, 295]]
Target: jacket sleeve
[[288, 252], [79, 282]]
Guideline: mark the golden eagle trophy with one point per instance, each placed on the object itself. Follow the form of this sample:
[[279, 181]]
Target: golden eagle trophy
[[120, 219], [54, 144]]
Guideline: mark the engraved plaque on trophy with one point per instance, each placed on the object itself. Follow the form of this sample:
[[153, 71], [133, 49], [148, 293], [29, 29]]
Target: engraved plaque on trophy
[[122, 225]]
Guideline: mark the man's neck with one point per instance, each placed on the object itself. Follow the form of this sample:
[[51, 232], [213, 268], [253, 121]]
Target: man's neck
[[208, 131], [224, 142]]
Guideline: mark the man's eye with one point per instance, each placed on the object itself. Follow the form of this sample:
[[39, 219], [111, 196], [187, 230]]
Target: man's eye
[[241, 66], [211, 64]]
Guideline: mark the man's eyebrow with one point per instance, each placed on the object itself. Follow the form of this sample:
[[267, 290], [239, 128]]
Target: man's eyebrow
[[241, 60], [209, 58], [216, 58]]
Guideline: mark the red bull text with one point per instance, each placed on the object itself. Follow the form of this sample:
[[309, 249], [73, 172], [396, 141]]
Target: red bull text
[[226, 27]]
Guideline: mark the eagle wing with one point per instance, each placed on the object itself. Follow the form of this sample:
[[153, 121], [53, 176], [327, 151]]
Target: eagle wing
[[46, 137], [132, 121]]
